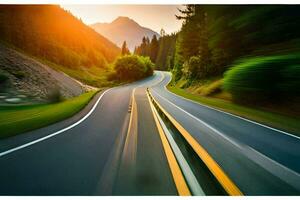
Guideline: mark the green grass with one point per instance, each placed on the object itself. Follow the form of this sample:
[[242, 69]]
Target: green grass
[[19, 119], [94, 76], [275, 120]]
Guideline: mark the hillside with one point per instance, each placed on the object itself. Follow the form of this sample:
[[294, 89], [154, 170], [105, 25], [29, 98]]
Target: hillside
[[51, 33], [124, 28], [24, 80]]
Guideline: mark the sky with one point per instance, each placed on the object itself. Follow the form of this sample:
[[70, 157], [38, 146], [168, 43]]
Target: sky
[[154, 17]]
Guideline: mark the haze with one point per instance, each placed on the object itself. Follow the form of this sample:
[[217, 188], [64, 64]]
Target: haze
[[154, 17]]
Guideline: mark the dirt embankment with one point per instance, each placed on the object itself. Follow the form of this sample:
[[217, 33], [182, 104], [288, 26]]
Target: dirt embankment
[[22, 77]]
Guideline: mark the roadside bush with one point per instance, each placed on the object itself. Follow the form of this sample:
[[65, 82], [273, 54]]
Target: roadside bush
[[3, 82], [195, 68], [54, 96], [264, 79], [291, 80], [177, 74], [133, 67], [3, 78], [148, 65], [192, 67]]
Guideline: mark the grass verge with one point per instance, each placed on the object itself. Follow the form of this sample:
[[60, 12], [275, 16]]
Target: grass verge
[[93, 76], [275, 120], [19, 119]]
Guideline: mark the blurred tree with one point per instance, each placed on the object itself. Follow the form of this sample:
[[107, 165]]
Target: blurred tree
[[161, 51], [154, 45], [162, 32], [125, 50]]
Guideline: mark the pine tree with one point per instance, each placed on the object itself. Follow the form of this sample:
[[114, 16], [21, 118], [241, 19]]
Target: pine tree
[[135, 50], [162, 32], [193, 38], [166, 51], [125, 50], [154, 45], [143, 47]]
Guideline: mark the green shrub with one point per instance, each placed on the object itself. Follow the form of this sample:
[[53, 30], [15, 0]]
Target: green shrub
[[148, 65], [54, 96], [291, 80], [133, 67], [191, 68], [177, 74], [3, 78], [196, 68], [262, 79], [3, 82]]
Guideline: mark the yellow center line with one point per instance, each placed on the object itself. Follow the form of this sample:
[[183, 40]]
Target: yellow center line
[[178, 177], [212, 165], [130, 145]]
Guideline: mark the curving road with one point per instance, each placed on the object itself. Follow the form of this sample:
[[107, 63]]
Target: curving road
[[87, 159], [259, 159], [113, 147]]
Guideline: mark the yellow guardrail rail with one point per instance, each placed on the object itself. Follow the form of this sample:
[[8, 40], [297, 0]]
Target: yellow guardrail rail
[[179, 180], [212, 165]]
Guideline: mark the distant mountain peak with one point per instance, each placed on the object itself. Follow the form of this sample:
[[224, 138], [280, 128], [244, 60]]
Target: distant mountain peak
[[124, 29], [121, 20]]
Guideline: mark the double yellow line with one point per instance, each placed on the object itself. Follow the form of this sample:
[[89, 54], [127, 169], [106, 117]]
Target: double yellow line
[[212, 165], [181, 185]]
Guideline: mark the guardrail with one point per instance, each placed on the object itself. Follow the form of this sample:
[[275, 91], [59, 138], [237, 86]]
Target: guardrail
[[201, 163]]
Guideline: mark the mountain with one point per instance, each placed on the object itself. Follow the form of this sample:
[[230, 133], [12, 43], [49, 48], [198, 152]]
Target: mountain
[[53, 34], [124, 28]]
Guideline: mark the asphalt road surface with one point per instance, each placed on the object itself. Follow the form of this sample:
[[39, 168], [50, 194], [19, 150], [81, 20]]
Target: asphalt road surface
[[260, 160], [112, 147], [87, 158]]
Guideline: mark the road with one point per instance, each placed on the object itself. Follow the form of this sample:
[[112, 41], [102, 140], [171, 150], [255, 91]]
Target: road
[[85, 159], [260, 160], [115, 147]]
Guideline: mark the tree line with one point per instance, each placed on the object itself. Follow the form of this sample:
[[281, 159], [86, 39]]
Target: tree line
[[215, 39], [215, 36], [160, 50], [131, 67]]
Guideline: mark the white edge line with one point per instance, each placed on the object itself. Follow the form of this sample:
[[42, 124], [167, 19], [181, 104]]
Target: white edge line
[[62, 130], [57, 132], [248, 120], [231, 140], [290, 171]]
